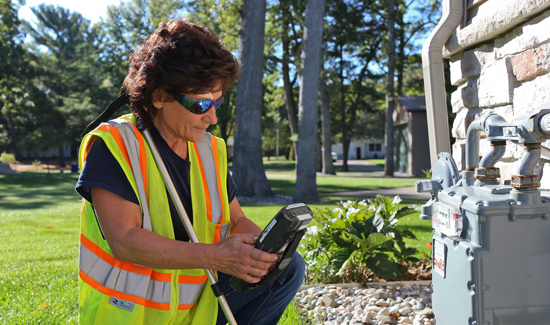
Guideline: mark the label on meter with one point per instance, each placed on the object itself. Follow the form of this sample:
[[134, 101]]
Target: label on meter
[[439, 257], [447, 219]]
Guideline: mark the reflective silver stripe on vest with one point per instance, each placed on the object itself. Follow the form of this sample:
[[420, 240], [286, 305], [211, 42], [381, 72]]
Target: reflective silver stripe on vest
[[124, 281], [204, 146], [224, 231], [131, 142], [189, 293]]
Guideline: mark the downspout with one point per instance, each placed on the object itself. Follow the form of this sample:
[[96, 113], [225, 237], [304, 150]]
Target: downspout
[[434, 78]]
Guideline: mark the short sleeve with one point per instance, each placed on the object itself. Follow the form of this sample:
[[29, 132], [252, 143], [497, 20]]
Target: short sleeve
[[102, 170], [231, 188]]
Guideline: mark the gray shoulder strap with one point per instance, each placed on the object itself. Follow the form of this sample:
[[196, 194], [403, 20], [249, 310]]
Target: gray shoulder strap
[[132, 146], [206, 154]]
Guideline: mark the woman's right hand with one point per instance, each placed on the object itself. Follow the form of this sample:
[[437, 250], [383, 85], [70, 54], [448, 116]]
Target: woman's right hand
[[237, 256]]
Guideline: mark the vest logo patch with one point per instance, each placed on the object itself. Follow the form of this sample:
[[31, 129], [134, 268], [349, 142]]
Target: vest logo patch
[[126, 305]]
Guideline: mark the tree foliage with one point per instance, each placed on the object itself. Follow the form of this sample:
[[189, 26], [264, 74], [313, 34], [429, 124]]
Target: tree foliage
[[65, 49], [68, 70]]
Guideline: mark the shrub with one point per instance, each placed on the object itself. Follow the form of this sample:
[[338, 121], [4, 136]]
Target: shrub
[[357, 236], [7, 158]]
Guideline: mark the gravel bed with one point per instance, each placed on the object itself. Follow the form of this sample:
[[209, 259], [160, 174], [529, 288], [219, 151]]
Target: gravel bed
[[385, 303]]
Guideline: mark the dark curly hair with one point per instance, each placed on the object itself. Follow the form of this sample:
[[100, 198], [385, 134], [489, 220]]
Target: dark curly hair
[[179, 56]]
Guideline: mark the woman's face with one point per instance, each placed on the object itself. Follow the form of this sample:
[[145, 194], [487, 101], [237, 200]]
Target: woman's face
[[175, 122]]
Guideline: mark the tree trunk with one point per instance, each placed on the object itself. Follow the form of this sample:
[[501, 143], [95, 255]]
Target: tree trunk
[[343, 122], [61, 146], [13, 132], [400, 64], [290, 103], [328, 167], [319, 157], [248, 168], [388, 169], [306, 187], [288, 86]]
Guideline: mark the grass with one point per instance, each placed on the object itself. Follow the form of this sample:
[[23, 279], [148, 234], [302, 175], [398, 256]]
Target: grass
[[325, 186], [39, 229], [282, 163], [39, 239], [378, 162]]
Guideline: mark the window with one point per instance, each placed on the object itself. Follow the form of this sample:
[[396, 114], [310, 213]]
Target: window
[[375, 147]]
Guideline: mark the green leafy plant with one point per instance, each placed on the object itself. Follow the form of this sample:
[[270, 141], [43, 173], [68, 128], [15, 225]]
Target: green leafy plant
[[427, 173], [356, 236], [36, 163], [7, 158]]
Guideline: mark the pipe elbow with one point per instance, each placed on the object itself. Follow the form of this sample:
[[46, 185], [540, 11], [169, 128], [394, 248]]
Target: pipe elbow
[[472, 145], [529, 160], [498, 148]]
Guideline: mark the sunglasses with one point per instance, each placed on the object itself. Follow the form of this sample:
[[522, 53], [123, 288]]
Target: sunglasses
[[195, 106]]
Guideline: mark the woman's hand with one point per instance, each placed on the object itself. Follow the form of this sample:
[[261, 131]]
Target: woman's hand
[[237, 256]]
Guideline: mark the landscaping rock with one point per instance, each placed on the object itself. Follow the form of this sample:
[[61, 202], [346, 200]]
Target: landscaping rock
[[398, 303], [330, 301]]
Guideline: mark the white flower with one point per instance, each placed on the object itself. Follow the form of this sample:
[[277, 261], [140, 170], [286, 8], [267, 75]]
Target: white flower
[[346, 204], [396, 199], [363, 203], [351, 211], [311, 230]]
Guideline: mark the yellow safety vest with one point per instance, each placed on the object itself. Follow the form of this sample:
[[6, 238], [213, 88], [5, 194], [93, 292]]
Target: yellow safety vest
[[118, 292]]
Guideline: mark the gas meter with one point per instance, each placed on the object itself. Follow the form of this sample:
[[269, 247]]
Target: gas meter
[[491, 243]]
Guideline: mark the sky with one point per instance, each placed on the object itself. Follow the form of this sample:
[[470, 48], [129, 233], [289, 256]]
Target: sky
[[90, 9]]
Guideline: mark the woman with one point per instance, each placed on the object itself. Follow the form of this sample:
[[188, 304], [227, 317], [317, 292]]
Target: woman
[[136, 263]]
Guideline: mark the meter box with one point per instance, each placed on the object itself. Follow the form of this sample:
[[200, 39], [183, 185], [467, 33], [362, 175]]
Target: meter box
[[491, 257]]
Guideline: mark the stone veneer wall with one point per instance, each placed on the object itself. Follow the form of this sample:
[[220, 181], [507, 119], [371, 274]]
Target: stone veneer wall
[[508, 74]]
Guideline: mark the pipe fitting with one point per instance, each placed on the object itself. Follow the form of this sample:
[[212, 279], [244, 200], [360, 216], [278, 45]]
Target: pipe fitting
[[526, 176], [544, 124], [498, 148], [487, 173], [525, 182], [530, 159], [472, 142]]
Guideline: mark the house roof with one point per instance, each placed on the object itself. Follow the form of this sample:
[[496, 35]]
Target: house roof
[[413, 103]]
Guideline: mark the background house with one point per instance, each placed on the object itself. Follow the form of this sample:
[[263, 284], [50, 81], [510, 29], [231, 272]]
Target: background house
[[500, 61], [411, 152], [361, 148]]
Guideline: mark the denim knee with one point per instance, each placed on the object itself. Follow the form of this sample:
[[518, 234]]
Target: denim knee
[[295, 272]]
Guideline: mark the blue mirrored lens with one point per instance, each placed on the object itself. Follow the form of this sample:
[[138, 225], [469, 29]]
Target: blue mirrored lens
[[197, 106]]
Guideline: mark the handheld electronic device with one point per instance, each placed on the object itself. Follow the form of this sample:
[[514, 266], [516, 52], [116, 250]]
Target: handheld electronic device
[[281, 236]]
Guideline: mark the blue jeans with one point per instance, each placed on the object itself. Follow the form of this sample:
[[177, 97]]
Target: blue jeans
[[266, 304]]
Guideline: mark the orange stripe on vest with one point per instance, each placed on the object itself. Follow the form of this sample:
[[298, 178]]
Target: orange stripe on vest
[[206, 191]]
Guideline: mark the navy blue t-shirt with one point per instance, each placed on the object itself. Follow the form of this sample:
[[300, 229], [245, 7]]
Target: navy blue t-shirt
[[101, 170]]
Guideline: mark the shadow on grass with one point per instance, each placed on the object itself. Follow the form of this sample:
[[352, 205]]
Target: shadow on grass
[[285, 186], [35, 190]]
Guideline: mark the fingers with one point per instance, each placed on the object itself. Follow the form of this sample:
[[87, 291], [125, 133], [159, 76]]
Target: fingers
[[245, 238], [237, 256], [263, 256]]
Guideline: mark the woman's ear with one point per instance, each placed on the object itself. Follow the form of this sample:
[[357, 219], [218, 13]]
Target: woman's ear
[[158, 98]]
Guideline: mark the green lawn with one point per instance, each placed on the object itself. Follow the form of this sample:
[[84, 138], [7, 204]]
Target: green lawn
[[326, 186], [39, 229], [378, 162]]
